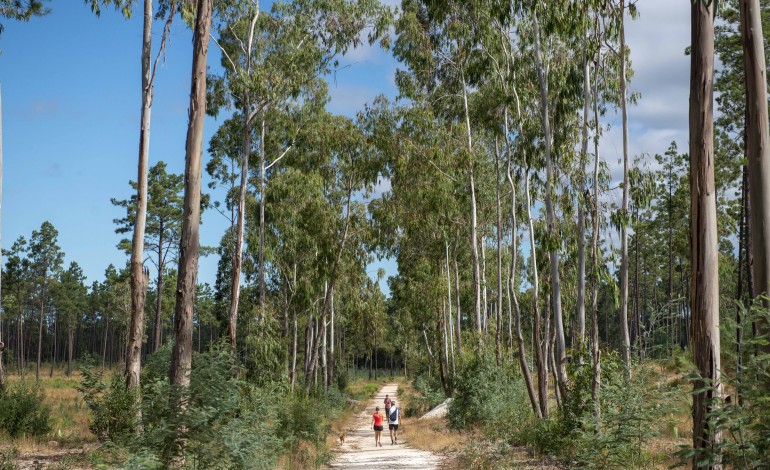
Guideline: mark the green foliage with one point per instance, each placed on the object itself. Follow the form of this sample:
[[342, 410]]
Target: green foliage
[[744, 417], [23, 412], [342, 379], [429, 395], [489, 396], [228, 423], [630, 409], [265, 361], [112, 406]]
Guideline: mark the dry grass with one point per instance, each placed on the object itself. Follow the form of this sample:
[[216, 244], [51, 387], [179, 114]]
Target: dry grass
[[432, 435], [69, 414]]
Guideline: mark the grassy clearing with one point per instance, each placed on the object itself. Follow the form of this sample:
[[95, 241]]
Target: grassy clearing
[[69, 415]]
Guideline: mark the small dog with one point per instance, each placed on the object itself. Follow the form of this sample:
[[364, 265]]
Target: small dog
[[342, 439]]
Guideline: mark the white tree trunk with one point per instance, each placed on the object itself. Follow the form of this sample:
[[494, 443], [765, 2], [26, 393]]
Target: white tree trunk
[[704, 239], [561, 349]]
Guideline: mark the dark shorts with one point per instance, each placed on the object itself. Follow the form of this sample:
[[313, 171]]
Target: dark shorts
[[393, 427], [387, 412], [378, 428]]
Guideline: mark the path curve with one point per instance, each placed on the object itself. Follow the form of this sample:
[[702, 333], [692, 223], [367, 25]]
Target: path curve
[[359, 450]]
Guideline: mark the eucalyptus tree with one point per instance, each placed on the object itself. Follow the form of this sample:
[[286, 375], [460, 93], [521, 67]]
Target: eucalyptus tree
[[559, 24], [436, 44], [161, 234], [181, 356], [270, 59], [704, 257], [757, 145], [45, 262]]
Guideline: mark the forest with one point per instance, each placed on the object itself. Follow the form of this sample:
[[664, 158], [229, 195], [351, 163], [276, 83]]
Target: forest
[[563, 309]]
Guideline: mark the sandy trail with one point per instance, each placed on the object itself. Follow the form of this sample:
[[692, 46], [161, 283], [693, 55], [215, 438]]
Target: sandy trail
[[359, 450]]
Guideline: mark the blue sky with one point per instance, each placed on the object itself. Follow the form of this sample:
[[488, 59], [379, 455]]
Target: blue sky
[[71, 103]]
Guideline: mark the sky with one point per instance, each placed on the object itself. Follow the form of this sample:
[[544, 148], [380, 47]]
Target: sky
[[71, 103]]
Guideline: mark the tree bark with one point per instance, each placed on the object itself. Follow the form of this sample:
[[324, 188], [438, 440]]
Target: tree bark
[[262, 201], [235, 288], [181, 355], [499, 303], [705, 275], [758, 147], [542, 373], [474, 222], [514, 303], [293, 370], [157, 339], [330, 370], [580, 312], [138, 286], [40, 339], [561, 349], [624, 336], [458, 331], [53, 346], [595, 351]]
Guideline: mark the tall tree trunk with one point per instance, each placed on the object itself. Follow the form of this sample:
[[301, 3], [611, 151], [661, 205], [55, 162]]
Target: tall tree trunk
[[580, 312], [449, 306], [739, 286], [330, 373], [757, 146], [512, 288], [484, 303], [261, 267], [561, 348], [324, 343], [235, 287], [595, 351], [181, 355], [542, 374], [138, 286], [105, 332], [625, 341], [474, 221], [705, 274], [293, 370], [499, 303], [40, 339], [157, 340], [53, 346], [458, 330]]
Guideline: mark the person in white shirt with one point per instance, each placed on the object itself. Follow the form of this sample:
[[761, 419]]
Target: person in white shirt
[[393, 419]]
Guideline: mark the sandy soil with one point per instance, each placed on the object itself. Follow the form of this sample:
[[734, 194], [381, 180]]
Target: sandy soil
[[359, 450]]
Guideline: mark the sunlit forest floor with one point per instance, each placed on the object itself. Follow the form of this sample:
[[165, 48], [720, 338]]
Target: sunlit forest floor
[[71, 445]]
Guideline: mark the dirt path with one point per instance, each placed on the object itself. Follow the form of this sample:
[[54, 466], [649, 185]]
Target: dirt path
[[359, 450]]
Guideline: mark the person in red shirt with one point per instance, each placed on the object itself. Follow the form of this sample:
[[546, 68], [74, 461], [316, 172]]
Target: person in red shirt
[[377, 425]]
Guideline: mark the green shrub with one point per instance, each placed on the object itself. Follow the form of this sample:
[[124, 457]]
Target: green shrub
[[113, 407], [631, 410], [426, 396], [488, 396], [743, 418], [342, 379], [23, 412]]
